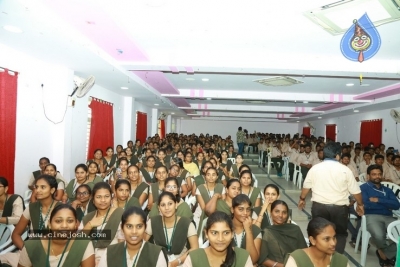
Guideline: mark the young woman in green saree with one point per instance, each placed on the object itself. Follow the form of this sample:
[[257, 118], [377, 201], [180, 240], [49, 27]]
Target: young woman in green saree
[[156, 188], [104, 219], [83, 204], [182, 209], [225, 205], [36, 216], [139, 188], [135, 251], [280, 238], [172, 232], [51, 170], [183, 176], [321, 252], [234, 171], [148, 171], [81, 172], [101, 162], [61, 249], [120, 173], [11, 205], [122, 198], [199, 161], [93, 177], [246, 235], [111, 159], [247, 188], [201, 179], [219, 231]]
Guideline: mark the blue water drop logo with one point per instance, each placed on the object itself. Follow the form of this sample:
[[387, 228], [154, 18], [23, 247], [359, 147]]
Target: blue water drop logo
[[361, 41]]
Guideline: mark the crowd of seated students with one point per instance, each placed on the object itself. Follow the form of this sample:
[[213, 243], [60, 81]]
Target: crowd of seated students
[[137, 197]]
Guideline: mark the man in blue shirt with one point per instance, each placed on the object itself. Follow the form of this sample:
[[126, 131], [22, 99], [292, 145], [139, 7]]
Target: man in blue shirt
[[379, 201]]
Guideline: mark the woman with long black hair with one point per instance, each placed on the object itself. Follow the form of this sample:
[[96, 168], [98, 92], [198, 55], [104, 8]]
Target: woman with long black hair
[[219, 231]]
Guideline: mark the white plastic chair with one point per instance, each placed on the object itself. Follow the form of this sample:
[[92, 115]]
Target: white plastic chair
[[365, 236], [255, 184], [393, 231], [27, 197], [362, 177], [233, 160], [269, 163], [260, 157], [297, 176], [395, 188], [6, 244], [285, 169], [203, 224]]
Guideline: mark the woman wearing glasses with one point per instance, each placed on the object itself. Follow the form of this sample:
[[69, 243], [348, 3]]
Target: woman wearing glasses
[[83, 204]]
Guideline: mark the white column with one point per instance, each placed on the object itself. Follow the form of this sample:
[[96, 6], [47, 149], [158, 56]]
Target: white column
[[154, 121], [178, 126], [168, 123]]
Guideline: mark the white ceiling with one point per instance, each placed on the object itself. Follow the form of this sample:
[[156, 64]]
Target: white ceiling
[[230, 43]]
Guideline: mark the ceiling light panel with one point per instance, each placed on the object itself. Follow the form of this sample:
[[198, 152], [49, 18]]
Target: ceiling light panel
[[278, 81], [337, 17]]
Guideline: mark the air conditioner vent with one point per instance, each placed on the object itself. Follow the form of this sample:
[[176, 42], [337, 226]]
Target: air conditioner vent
[[278, 81], [256, 101]]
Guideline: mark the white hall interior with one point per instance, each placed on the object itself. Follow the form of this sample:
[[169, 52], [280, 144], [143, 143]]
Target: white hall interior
[[196, 82]]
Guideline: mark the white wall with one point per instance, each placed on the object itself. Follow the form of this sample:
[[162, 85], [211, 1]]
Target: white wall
[[225, 128], [348, 127], [65, 142]]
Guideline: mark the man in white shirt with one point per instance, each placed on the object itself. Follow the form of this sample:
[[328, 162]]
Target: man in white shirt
[[365, 163], [393, 173], [331, 183], [293, 153], [276, 158], [345, 160], [306, 160]]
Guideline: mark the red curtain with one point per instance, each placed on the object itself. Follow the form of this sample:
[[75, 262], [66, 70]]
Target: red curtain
[[162, 129], [330, 132], [141, 126], [101, 127], [8, 120], [371, 132], [307, 131]]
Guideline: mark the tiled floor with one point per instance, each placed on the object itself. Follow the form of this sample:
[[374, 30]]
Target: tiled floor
[[290, 194]]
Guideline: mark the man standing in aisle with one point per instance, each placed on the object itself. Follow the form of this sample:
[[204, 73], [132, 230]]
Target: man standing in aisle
[[331, 182], [240, 138]]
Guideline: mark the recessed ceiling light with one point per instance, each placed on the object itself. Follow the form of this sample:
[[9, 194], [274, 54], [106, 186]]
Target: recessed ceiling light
[[190, 79], [365, 84], [349, 84], [305, 102], [205, 79], [11, 28], [124, 88], [209, 98], [156, 104], [172, 113], [319, 117], [297, 121], [356, 110]]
